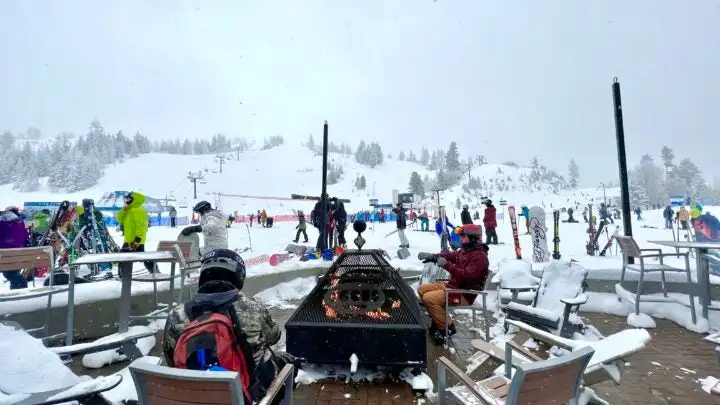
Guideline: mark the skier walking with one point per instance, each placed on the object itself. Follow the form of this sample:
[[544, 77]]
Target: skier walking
[[263, 218], [401, 224], [212, 227], [424, 222], [318, 218], [301, 227], [173, 217], [638, 213], [490, 222], [585, 215], [465, 216]]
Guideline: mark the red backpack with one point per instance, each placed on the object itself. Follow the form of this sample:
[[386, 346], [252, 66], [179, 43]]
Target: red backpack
[[212, 342]]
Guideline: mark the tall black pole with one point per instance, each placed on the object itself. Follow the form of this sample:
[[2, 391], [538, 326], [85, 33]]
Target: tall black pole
[[323, 199], [622, 161]]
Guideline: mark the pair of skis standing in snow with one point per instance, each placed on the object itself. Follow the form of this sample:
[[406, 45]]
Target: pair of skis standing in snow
[[538, 232]]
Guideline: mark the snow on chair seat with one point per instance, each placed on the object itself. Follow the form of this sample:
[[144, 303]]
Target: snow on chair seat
[[607, 362], [559, 294], [31, 258], [551, 381], [82, 392]]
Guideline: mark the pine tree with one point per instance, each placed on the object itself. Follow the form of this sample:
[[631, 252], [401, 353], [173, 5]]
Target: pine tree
[[452, 158], [573, 174], [458, 204], [401, 156], [424, 157], [416, 185], [667, 157]]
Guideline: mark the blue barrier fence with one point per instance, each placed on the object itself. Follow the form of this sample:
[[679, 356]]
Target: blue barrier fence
[[154, 221]]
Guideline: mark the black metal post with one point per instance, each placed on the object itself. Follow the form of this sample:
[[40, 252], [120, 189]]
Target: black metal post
[[323, 199], [622, 162]]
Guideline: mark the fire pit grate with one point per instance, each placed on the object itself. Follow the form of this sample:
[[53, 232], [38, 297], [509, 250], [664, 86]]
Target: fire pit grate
[[360, 306]]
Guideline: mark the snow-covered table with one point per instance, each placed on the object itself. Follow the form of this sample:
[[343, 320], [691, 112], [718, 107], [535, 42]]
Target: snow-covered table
[[125, 293], [701, 264]]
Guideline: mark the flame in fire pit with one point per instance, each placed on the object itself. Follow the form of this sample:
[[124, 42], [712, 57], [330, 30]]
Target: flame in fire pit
[[377, 314]]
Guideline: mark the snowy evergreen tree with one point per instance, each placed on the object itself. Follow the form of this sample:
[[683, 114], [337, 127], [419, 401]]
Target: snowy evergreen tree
[[416, 185], [401, 156], [667, 156], [424, 157], [573, 174], [452, 158], [691, 177]]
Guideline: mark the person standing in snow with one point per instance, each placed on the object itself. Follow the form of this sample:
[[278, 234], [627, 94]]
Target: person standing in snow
[[401, 223], [683, 216], [173, 217], [301, 227], [320, 219], [465, 216], [525, 212], [340, 216], [212, 227], [134, 221], [605, 214], [668, 215], [263, 218], [490, 222]]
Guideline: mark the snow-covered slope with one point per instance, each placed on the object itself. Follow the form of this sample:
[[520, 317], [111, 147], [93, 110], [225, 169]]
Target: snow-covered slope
[[288, 169]]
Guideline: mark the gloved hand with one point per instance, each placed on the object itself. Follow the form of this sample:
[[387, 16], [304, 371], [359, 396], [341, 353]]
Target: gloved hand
[[297, 227], [191, 229], [135, 243], [485, 247], [285, 358], [441, 261], [426, 257]]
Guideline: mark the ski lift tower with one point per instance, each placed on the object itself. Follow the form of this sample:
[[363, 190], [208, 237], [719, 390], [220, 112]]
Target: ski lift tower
[[444, 237]]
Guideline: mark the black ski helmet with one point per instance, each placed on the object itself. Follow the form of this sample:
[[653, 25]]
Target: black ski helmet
[[222, 265], [202, 207], [488, 202], [129, 198]]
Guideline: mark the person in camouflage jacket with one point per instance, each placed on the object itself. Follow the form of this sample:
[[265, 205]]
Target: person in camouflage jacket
[[255, 320]]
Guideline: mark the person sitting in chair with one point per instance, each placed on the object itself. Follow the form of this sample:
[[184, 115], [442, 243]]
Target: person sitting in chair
[[468, 268]]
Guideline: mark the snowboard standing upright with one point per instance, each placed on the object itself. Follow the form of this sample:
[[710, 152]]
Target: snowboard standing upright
[[538, 233], [556, 235], [513, 224]]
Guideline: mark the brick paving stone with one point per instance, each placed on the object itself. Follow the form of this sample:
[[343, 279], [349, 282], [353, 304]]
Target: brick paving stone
[[666, 371]]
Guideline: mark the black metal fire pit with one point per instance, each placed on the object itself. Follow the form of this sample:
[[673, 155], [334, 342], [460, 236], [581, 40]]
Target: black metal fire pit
[[360, 306]]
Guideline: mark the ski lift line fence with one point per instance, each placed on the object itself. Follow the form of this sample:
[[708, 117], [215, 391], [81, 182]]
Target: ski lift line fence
[[255, 197]]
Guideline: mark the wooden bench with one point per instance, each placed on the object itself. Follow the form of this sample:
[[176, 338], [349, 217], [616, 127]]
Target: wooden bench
[[31, 258], [160, 385]]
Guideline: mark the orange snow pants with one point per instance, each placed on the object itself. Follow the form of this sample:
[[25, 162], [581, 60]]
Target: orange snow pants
[[433, 295]]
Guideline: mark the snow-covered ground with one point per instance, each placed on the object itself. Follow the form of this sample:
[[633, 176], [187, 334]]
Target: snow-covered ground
[[274, 240], [288, 169]]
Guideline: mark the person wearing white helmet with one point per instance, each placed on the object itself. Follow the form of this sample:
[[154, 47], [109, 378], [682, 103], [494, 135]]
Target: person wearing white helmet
[[212, 226]]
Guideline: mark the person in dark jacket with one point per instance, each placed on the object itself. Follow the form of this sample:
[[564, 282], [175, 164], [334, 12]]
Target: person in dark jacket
[[319, 218], [465, 216], [668, 214], [468, 268], [340, 216], [13, 234], [490, 222], [401, 223]]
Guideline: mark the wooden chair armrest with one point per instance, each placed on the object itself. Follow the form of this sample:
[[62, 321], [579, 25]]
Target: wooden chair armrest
[[448, 365], [520, 289], [509, 347], [463, 291], [579, 300], [540, 335]]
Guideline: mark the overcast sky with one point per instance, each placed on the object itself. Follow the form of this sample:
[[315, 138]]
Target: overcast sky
[[508, 79]]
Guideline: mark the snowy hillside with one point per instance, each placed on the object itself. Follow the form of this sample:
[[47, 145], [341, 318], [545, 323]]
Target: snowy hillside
[[276, 173]]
